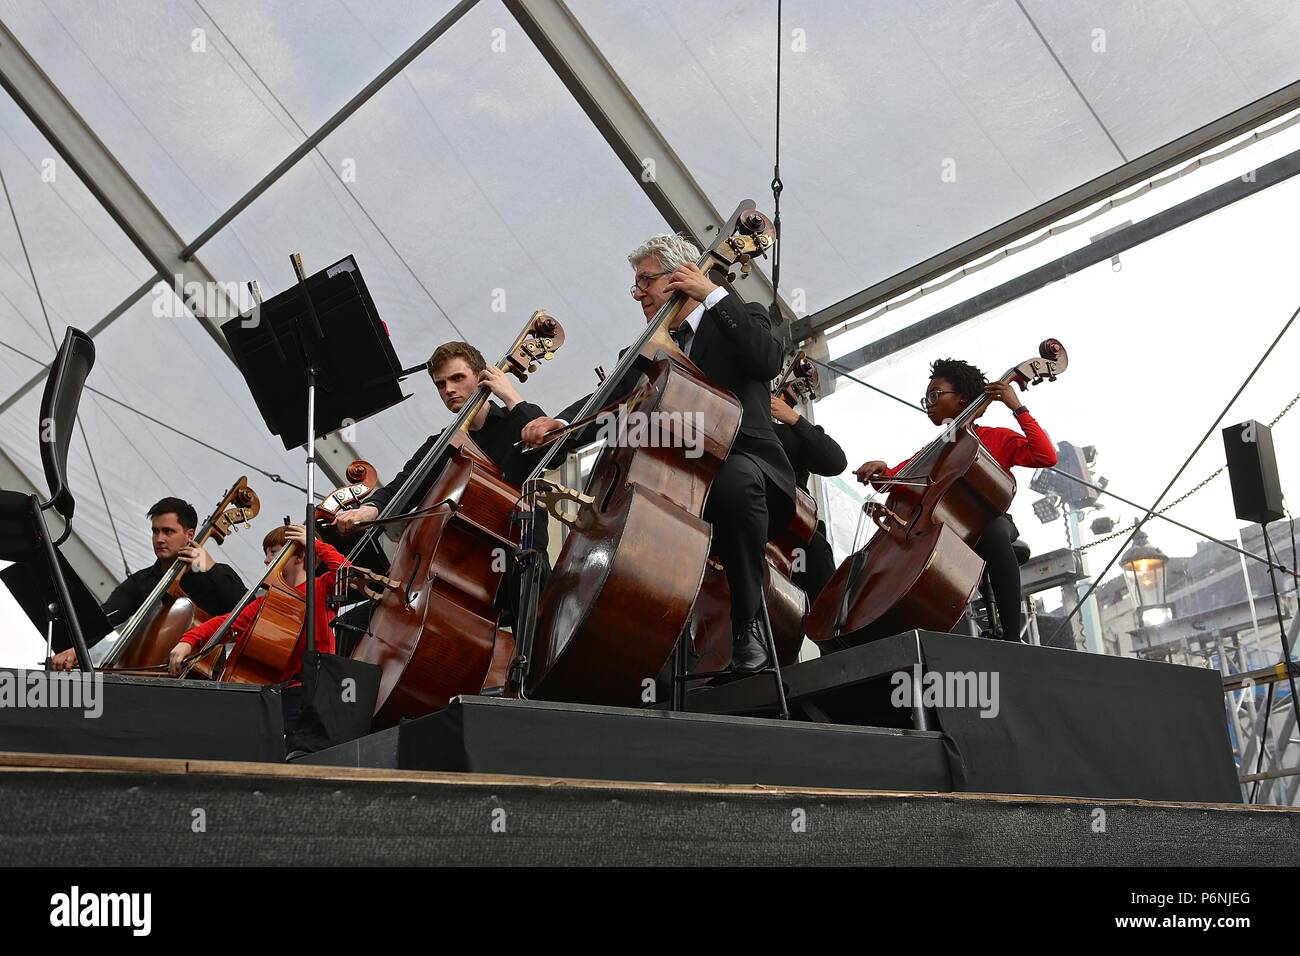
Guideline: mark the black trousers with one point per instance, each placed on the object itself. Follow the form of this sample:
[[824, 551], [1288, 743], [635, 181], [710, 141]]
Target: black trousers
[[994, 546], [818, 565], [743, 507]]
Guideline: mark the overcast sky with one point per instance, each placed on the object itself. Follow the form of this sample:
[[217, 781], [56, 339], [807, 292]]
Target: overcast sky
[[1156, 349]]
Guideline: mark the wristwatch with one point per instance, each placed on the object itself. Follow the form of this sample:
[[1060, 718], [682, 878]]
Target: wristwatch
[[1020, 411]]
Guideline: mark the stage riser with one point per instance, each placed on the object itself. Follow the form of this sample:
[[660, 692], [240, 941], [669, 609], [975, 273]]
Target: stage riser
[[151, 717], [145, 819], [1072, 724], [538, 738]]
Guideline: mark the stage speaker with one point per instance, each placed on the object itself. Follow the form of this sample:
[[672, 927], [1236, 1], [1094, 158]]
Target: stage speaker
[[1252, 467]]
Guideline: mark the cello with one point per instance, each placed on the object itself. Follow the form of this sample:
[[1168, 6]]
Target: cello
[[632, 563], [434, 633], [262, 652], [167, 613], [787, 605], [919, 569]]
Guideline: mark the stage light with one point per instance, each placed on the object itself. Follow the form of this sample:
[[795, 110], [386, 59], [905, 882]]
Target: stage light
[[1046, 511], [1073, 460], [1102, 525]]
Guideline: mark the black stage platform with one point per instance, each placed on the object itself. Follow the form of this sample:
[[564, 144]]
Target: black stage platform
[[1060, 722], [110, 715], [1066, 722], [535, 738]]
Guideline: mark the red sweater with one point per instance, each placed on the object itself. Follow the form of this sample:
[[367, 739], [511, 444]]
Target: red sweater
[[1033, 449], [333, 560]]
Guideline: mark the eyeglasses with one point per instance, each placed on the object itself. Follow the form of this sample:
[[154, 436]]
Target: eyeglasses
[[933, 396], [643, 281]]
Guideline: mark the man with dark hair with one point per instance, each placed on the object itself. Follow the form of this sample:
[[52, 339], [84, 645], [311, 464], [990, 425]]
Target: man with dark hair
[[183, 510], [458, 369], [954, 384], [213, 587]]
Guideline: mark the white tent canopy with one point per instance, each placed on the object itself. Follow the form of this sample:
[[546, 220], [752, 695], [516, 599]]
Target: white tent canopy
[[474, 187]]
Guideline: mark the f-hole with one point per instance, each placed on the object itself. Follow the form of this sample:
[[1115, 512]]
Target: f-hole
[[415, 569], [613, 486]]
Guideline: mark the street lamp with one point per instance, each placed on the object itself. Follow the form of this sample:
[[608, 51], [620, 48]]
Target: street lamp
[[1144, 566]]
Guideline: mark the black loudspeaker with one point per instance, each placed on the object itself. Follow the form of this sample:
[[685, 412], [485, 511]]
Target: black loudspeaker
[[1252, 466]]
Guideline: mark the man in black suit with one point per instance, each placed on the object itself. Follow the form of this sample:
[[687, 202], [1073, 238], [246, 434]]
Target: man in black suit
[[213, 587], [730, 341]]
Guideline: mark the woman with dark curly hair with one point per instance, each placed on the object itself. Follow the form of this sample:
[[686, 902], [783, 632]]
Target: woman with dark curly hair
[[954, 384]]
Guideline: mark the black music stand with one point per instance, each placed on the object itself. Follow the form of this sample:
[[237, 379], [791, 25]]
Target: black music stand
[[38, 595], [314, 357], [355, 365]]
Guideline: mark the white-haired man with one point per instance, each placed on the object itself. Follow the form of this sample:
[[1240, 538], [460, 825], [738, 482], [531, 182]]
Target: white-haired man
[[731, 342]]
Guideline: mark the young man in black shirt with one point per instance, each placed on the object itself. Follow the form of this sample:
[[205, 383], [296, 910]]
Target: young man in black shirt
[[458, 369], [214, 587]]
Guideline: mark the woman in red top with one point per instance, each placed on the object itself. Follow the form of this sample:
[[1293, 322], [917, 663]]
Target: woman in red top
[[954, 384], [296, 575]]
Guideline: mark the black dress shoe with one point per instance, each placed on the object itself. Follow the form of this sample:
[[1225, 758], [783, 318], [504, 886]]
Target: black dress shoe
[[748, 652]]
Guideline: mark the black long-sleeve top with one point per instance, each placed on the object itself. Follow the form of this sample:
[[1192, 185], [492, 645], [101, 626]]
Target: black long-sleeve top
[[811, 451], [496, 438], [216, 590]]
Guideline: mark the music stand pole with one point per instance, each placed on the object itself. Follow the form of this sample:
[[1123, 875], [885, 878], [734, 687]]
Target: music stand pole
[[53, 610], [309, 521]]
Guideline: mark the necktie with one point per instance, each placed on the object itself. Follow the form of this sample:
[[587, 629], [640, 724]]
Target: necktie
[[682, 335]]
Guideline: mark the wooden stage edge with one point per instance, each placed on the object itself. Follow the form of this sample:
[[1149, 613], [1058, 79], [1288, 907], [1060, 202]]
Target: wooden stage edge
[[23, 763]]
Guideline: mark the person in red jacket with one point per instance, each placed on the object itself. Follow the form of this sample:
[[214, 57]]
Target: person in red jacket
[[295, 574], [954, 384]]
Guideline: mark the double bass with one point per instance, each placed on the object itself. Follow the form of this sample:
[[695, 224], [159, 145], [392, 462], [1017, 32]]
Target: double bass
[[261, 653], [635, 555], [919, 569], [787, 605], [434, 633], [150, 633]]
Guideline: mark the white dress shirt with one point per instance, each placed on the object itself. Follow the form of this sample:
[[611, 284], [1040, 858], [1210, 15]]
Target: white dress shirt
[[692, 321]]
